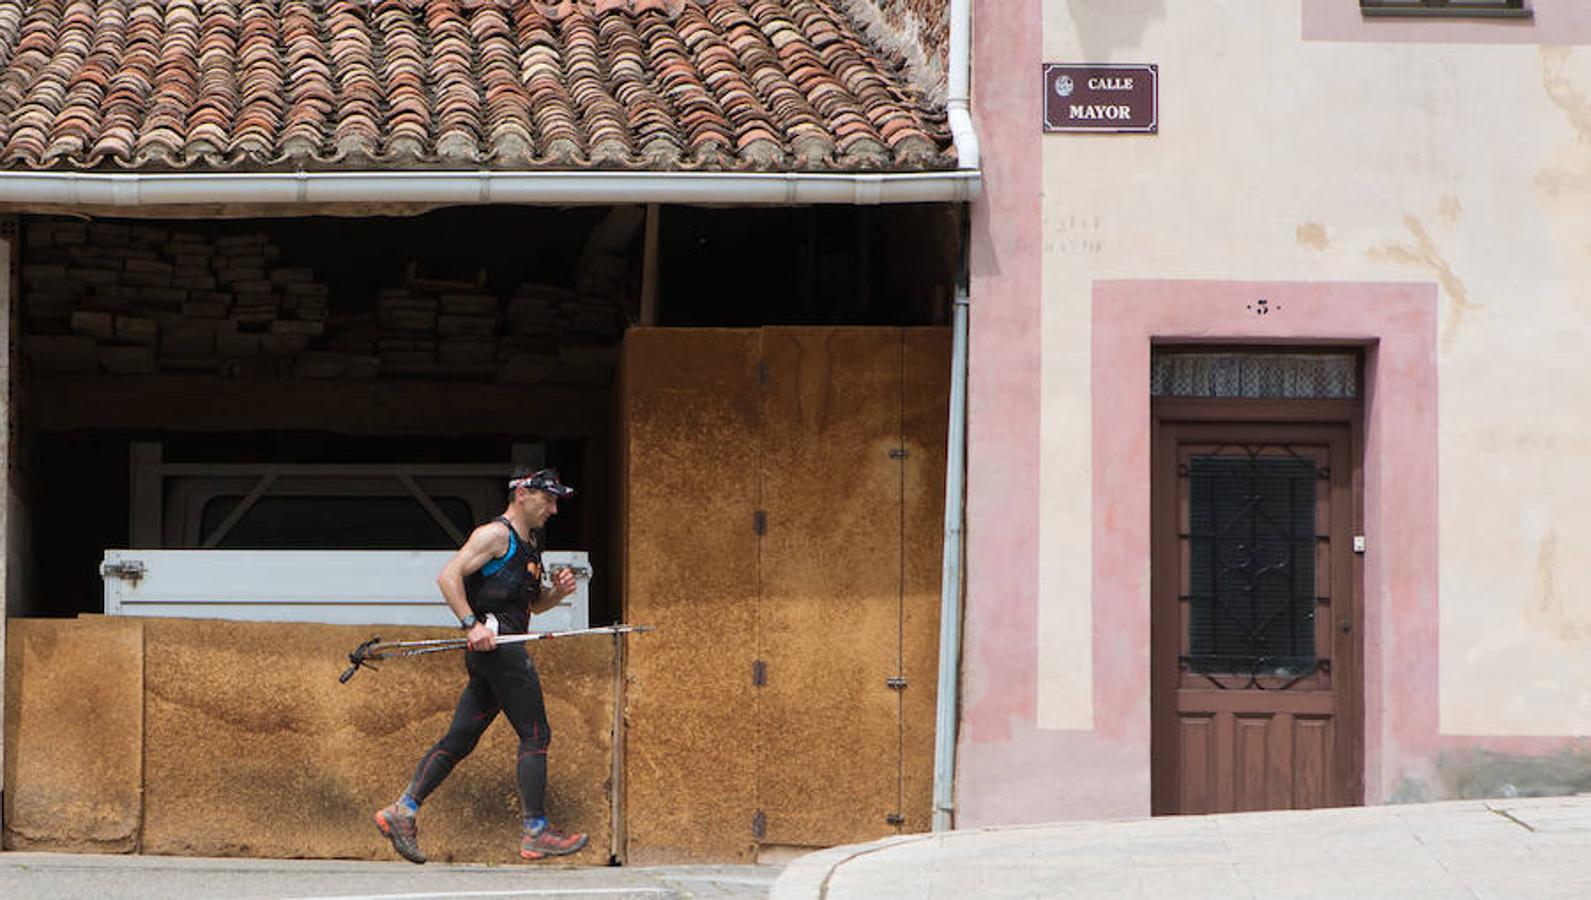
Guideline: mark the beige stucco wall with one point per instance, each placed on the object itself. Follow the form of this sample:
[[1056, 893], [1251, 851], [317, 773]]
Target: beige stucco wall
[[1285, 159]]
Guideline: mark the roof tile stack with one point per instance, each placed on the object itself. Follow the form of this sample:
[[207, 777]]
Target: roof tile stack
[[738, 85]]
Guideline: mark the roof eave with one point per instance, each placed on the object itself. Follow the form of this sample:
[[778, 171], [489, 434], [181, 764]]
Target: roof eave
[[26, 189]]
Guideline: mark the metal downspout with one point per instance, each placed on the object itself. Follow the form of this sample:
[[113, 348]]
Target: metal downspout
[[948, 703], [958, 104], [958, 107], [958, 86]]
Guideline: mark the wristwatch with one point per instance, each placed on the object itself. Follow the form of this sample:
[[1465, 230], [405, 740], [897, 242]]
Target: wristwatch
[[468, 622]]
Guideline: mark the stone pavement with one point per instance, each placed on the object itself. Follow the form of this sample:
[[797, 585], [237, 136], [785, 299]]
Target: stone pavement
[[1519, 848]]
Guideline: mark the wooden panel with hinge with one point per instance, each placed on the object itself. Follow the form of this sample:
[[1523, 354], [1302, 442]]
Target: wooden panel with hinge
[[830, 610], [924, 426]]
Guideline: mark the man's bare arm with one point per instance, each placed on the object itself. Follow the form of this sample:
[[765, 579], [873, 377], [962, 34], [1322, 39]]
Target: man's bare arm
[[563, 584], [485, 544]]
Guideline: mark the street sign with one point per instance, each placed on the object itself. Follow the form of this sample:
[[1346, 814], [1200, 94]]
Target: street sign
[[1109, 98]]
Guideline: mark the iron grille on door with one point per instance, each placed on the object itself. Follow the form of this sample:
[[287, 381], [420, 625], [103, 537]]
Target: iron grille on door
[[1252, 564]]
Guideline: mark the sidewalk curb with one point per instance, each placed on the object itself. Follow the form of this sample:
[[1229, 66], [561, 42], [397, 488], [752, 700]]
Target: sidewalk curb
[[808, 877], [1470, 847]]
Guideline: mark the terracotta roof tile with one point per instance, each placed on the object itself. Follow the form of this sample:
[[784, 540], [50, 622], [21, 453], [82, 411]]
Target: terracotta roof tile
[[314, 84]]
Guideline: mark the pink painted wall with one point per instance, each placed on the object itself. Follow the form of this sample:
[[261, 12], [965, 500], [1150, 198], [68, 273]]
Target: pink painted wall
[[1553, 22], [1397, 325], [997, 749], [1105, 772], [1008, 769]]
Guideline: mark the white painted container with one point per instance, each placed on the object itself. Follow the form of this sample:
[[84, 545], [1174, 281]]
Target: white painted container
[[341, 587]]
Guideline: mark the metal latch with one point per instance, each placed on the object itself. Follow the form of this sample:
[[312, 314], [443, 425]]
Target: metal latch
[[125, 569]]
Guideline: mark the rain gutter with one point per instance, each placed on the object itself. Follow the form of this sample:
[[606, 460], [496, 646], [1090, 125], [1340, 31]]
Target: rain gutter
[[488, 186]]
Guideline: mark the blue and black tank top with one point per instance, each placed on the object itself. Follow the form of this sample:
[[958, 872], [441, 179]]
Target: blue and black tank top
[[507, 585]]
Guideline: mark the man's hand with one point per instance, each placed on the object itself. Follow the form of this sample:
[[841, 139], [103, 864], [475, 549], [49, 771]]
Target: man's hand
[[481, 638], [563, 583]]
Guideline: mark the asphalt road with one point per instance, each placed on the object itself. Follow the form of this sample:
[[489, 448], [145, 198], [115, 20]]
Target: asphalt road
[[55, 876]]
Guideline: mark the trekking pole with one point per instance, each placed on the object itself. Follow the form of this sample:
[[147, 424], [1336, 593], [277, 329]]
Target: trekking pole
[[374, 650]]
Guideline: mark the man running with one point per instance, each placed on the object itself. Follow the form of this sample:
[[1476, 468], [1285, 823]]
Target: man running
[[493, 585]]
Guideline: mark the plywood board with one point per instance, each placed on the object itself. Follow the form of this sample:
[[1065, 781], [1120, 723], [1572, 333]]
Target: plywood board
[[74, 734], [253, 748], [692, 411], [831, 575], [925, 420]]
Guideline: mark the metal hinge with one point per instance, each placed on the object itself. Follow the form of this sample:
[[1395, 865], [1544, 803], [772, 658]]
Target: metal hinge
[[895, 818], [762, 372], [759, 825], [896, 682], [899, 453], [759, 522], [125, 569], [759, 673]]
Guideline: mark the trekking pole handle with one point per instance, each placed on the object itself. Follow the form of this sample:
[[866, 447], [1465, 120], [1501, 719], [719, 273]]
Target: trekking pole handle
[[357, 658]]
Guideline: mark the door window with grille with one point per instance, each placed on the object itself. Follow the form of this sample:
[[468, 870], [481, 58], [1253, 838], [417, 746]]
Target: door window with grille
[[1252, 563]]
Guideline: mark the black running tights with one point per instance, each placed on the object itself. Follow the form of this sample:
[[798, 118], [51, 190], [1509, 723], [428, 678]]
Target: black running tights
[[500, 680]]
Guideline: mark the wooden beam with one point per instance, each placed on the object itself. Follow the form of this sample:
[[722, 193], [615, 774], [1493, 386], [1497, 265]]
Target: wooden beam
[[213, 539], [207, 403], [649, 268], [144, 512], [424, 499]]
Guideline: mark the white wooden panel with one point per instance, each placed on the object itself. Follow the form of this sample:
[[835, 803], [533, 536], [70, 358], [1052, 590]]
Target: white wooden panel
[[344, 587]]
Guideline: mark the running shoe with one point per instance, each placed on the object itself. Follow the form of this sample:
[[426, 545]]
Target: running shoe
[[549, 841], [397, 824]]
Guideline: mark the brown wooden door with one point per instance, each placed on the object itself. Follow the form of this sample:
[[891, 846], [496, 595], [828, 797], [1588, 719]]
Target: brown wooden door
[[1256, 697]]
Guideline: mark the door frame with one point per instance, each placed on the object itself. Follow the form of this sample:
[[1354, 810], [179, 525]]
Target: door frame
[[1164, 641]]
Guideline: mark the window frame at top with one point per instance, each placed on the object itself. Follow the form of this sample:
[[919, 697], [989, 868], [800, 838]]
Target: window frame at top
[[1450, 9], [1237, 353]]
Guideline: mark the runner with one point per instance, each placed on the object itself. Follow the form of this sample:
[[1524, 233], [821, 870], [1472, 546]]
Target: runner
[[493, 585]]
